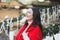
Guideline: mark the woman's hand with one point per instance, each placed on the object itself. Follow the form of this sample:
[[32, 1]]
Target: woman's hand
[[25, 36]]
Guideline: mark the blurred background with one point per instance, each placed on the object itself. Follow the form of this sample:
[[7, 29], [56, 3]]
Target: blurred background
[[12, 17]]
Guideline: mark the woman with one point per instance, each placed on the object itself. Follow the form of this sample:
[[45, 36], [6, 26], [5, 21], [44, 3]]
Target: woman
[[32, 29]]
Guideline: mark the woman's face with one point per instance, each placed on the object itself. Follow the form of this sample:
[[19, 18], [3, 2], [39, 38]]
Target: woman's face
[[29, 14]]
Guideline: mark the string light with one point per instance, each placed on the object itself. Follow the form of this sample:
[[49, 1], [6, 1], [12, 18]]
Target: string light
[[41, 0]]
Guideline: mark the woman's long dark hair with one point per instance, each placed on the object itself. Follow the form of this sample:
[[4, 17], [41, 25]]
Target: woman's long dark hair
[[36, 17]]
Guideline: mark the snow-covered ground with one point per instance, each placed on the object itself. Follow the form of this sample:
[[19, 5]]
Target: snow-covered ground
[[11, 35], [57, 37]]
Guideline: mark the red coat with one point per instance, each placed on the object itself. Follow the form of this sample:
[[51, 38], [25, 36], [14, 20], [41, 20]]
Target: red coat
[[35, 33]]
